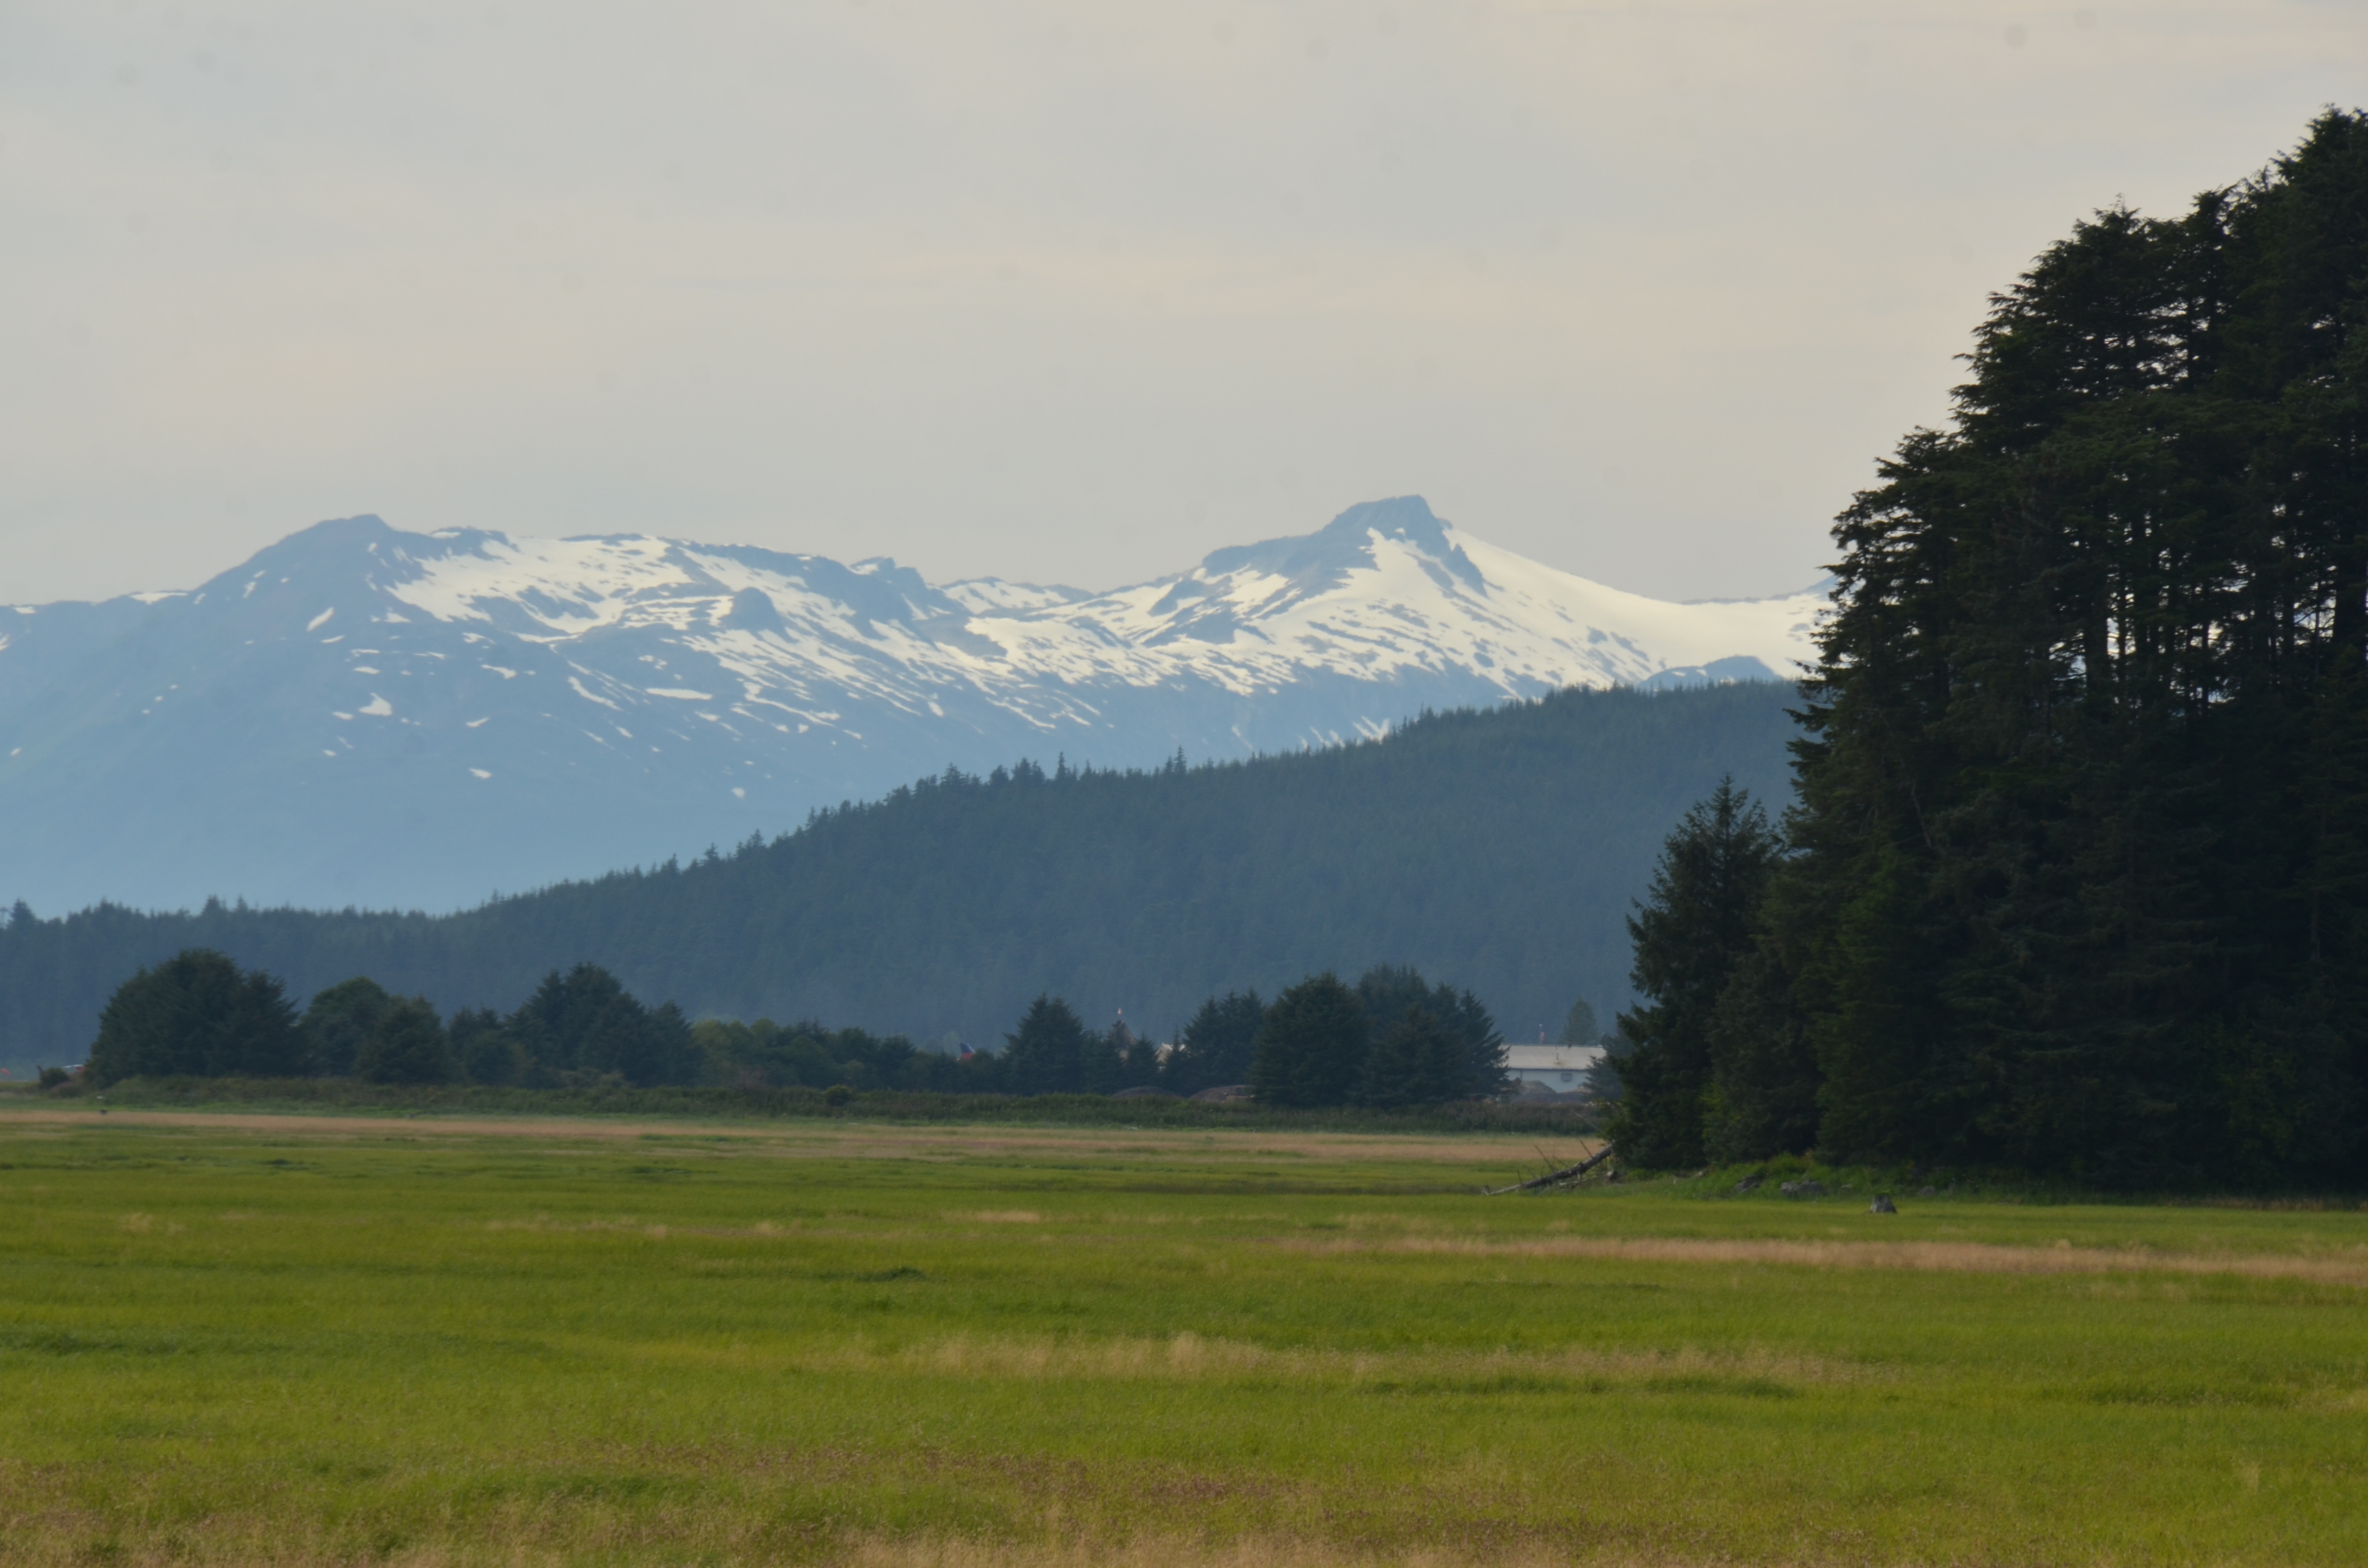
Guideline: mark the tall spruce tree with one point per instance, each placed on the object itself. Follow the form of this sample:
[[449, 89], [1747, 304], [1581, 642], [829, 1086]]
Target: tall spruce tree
[[1417, 1061], [2077, 883], [1311, 1048], [1215, 1047], [1578, 1027], [1389, 992], [1051, 1051], [1693, 927], [1762, 1098]]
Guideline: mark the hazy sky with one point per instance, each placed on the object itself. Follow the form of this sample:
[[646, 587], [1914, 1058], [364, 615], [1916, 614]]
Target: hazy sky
[[1052, 291]]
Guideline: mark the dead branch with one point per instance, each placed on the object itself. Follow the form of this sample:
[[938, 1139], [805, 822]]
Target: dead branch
[[1568, 1172]]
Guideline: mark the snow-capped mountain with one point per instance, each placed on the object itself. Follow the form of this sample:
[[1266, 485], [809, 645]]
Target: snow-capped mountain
[[363, 715]]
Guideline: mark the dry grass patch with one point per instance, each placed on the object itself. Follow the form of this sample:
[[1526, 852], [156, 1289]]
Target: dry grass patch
[[508, 1545], [1194, 1358], [1184, 1551], [628, 1224], [834, 1139], [2349, 1267]]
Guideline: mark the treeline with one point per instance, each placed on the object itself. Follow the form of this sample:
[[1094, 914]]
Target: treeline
[[1499, 846], [2076, 881], [1393, 1041], [198, 1015]]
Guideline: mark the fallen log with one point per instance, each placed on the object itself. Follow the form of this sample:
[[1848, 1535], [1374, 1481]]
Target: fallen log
[[1568, 1172]]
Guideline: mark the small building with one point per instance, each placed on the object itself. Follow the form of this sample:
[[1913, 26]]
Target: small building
[[1557, 1069]]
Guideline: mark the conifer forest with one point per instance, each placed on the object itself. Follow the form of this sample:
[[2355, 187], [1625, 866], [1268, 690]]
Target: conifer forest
[[2075, 881]]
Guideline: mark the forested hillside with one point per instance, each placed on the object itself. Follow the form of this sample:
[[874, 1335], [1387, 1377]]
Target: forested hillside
[[1495, 850]]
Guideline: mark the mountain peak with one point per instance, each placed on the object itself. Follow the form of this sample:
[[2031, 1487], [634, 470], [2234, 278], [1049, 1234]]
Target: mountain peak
[[1314, 563], [1408, 517], [323, 538]]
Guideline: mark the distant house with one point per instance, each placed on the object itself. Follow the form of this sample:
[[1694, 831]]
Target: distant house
[[1556, 1069]]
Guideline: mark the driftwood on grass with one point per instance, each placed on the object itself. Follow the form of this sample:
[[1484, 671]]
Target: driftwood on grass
[[1568, 1172]]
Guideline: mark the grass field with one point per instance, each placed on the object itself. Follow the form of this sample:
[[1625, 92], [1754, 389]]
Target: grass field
[[714, 1103], [280, 1340]]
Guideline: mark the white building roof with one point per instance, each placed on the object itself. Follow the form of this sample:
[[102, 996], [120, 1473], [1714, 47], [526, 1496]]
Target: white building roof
[[1552, 1058]]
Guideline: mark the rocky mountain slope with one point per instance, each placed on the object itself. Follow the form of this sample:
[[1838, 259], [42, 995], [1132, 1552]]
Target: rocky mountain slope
[[361, 715]]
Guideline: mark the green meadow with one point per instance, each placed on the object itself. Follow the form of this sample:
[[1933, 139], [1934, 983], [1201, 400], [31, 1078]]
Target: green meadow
[[283, 1339]]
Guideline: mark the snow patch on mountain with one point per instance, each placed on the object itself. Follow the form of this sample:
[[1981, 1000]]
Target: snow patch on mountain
[[554, 707]]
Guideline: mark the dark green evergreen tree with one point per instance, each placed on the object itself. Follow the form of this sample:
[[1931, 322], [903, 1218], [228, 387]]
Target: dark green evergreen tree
[[812, 1054], [1468, 1022], [1128, 1062], [1578, 1028], [769, 1055], [407, 1045], [1388, 992], [1216, 1047], [1051, 1051], [585, 1024], [1602, 1081], [197, 1014], [1417, 1062], [486, 1052], [1763, 1099], [339, 1019], [660, 1052], [1311, 1047], [1692, 929]]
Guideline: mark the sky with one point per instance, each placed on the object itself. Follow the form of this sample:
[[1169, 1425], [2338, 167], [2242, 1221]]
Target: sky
[[1067, 292]]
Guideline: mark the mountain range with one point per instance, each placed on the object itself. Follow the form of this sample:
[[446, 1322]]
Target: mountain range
[[360, 715]]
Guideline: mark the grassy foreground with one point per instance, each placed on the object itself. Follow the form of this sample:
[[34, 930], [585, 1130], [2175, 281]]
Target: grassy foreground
[[281, 1339]]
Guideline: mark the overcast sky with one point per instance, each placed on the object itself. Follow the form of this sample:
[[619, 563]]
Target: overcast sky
[[1060, 291]]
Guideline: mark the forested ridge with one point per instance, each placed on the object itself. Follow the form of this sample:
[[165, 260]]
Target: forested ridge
[[2076, 878], [1494, 850]]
